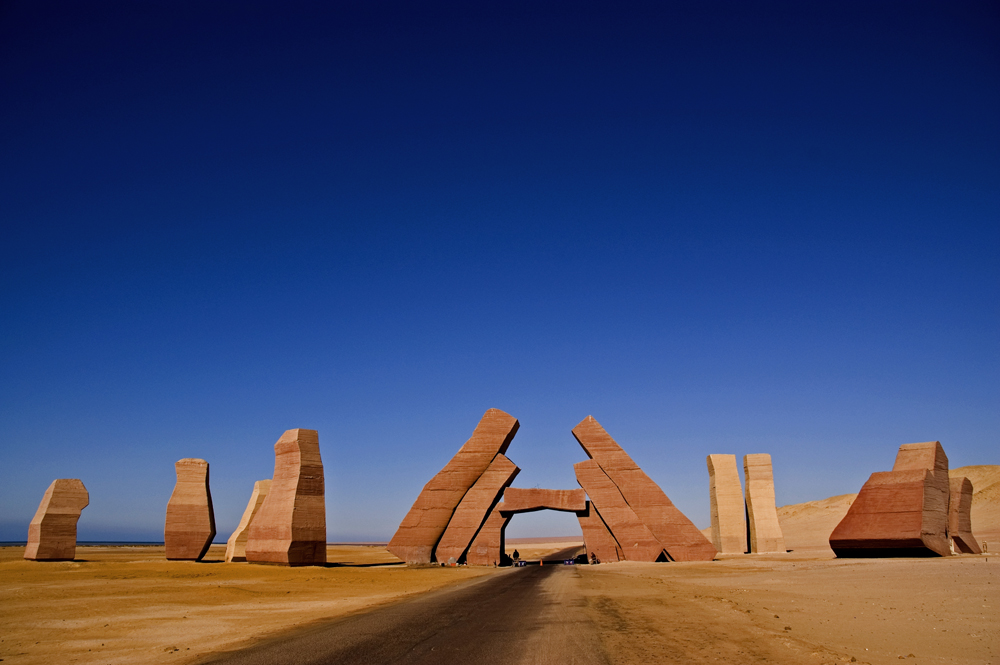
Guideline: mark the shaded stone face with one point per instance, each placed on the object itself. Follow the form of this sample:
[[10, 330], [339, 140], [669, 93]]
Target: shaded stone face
[[729, 526], [520, 500], [637, 542], [597, 539], [190, 523], [679, 537], [765, 530], [417, 536], [475, 508], [236, 546], [290, 526], [487, 549], [52, 532], [960, 517], [903, 512]]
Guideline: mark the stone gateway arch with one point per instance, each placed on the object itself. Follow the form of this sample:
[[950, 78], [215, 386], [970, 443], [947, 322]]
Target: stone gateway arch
[[462, 512]]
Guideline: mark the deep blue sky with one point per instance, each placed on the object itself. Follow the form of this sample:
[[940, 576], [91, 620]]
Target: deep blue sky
[[727, 228]]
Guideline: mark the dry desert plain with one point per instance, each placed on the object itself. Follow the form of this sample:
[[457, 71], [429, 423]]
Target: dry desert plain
[[130, 605]]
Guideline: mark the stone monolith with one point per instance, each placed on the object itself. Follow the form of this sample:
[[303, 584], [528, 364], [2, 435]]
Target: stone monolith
[[762, 514], [474, 509], [960, 517], [236, 546], [597, 539], [425, 523], [636, 540], [290, 527], [527, 500], [903, 512], [673, 530], [190, 524], [52, 532], [729, 525], [487, 549]]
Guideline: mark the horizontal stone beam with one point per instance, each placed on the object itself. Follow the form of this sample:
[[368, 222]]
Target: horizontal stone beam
[[521, 500]]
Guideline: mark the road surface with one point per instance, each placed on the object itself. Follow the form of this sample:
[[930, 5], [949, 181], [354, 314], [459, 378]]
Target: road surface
[[523, 616]]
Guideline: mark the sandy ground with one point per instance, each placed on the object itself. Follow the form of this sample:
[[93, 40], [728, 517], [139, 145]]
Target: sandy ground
[[130, 605], [798, 609]]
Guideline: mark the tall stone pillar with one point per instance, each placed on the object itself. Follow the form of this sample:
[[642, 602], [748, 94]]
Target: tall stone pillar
[[597, 539], [960, 517], [765, 530], [729, 526], [52, 532], [487, 548], [290, 528], [190, 524]]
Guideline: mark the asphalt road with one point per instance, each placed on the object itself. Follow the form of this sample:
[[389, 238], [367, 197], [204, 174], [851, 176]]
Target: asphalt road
[[532, 615]]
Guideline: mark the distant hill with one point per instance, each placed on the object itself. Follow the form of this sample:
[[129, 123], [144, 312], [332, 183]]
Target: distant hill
[[807, 526]]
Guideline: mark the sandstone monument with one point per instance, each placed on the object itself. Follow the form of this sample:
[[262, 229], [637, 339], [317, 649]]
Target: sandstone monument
[[190, 524], [597, 539], [960, 517], [520, 500], [680, 538], [487, 548], [417, 536], [762, 514], [636, 540], [903, 512], [236, 546], [477, 503], [52, 532], [729, 526], [290, 527]]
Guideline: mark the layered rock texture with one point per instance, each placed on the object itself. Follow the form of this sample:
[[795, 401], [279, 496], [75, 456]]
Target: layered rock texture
[[729, 526], [762, 514], [487, 548], [903, 512], [960, 517], [597, 539], [634, 538], [236, 546], [290, 526], [478, 502], [190, 523], [418, 535], [679, 537], [52, 532]]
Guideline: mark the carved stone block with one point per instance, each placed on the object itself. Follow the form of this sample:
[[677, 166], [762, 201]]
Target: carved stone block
[[765, 530], [425, 523], [597, 539], [729, 525], [672, 529], [290, 527], [903, 512], [637, 542], [474, 509], [960, 517], [52, 532], [236, 546], [521, 500], [487, 548], [190, 523]]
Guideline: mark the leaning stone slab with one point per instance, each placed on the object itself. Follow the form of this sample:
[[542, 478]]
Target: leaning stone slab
[[903, 512], [729, 526], [474, 509], [52, 532], [765, 530], [419, 532], [960, 517], [680, 538], [637, 542], [597, 539], [290, 527], [190, 524], [487, 548], [521, 500], [236, 546]]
